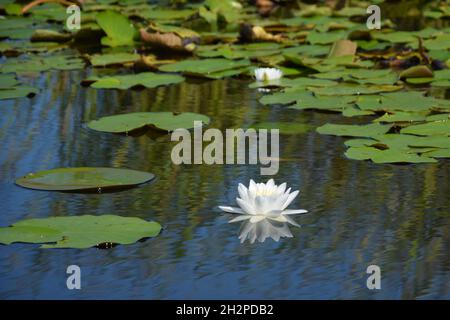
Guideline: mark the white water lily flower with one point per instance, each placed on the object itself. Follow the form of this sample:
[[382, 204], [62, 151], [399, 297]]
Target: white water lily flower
[[264, 201], [267, 74]]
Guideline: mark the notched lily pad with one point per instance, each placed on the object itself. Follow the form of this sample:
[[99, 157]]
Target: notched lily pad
[[79, 232], [84, 179]]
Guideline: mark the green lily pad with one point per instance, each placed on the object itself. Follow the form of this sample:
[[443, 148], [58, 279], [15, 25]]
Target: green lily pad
[[284, 97], [399, 156], [101, 60], [10, 88], [351, 89], [353, 111], [386, 156], [79, 232], [17, 92], [206, 67], [400, 116], [325, 103], [410, 101], [406, 141], [349, 130], [416, 72], [325, 37], [441, 42], [84, 179], [119, 30], [440, 153], [146, 79], [38, 64], [429, 128], [165, 121]]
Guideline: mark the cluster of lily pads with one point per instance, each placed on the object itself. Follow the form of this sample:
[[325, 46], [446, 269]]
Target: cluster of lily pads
[[331, 62]]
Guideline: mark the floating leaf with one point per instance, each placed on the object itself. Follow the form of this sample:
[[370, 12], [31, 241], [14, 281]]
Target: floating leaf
[[119, 30], [10, 88], [429, 128], [440, 153], [416, 72], [386, 156], [349, 130], [401, 117], [80, 231], [146, 79], [37, 64], [343, 48], [205, 67], [84, 179], [327, 103], [411, 101], [101, 60], [166, 121], [325, 37], [351, 89]]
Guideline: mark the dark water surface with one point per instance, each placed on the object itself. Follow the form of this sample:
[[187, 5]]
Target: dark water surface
[[360, 213]]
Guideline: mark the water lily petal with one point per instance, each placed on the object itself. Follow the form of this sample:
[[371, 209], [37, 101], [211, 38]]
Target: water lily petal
[[291, 221], [252, 187], [281, 188], [245, 206], [243, 192], [240, 218], [231, 209], [258, 218], [295, 211], [290, 199]]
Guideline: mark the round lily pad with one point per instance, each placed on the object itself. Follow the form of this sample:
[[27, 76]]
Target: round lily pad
[[80, 231], [84, 179], [165, 121]]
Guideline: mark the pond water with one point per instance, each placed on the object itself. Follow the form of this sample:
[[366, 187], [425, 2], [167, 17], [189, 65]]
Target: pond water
[[360, 213]]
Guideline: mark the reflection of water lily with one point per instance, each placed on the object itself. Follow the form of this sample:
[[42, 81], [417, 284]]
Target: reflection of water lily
[[267, 74], [264, 201], [264, 229]]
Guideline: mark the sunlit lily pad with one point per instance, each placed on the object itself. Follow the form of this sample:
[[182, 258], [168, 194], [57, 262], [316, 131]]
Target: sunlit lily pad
[[146, 79], [84, 179], [165, 121], [79, 231]]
